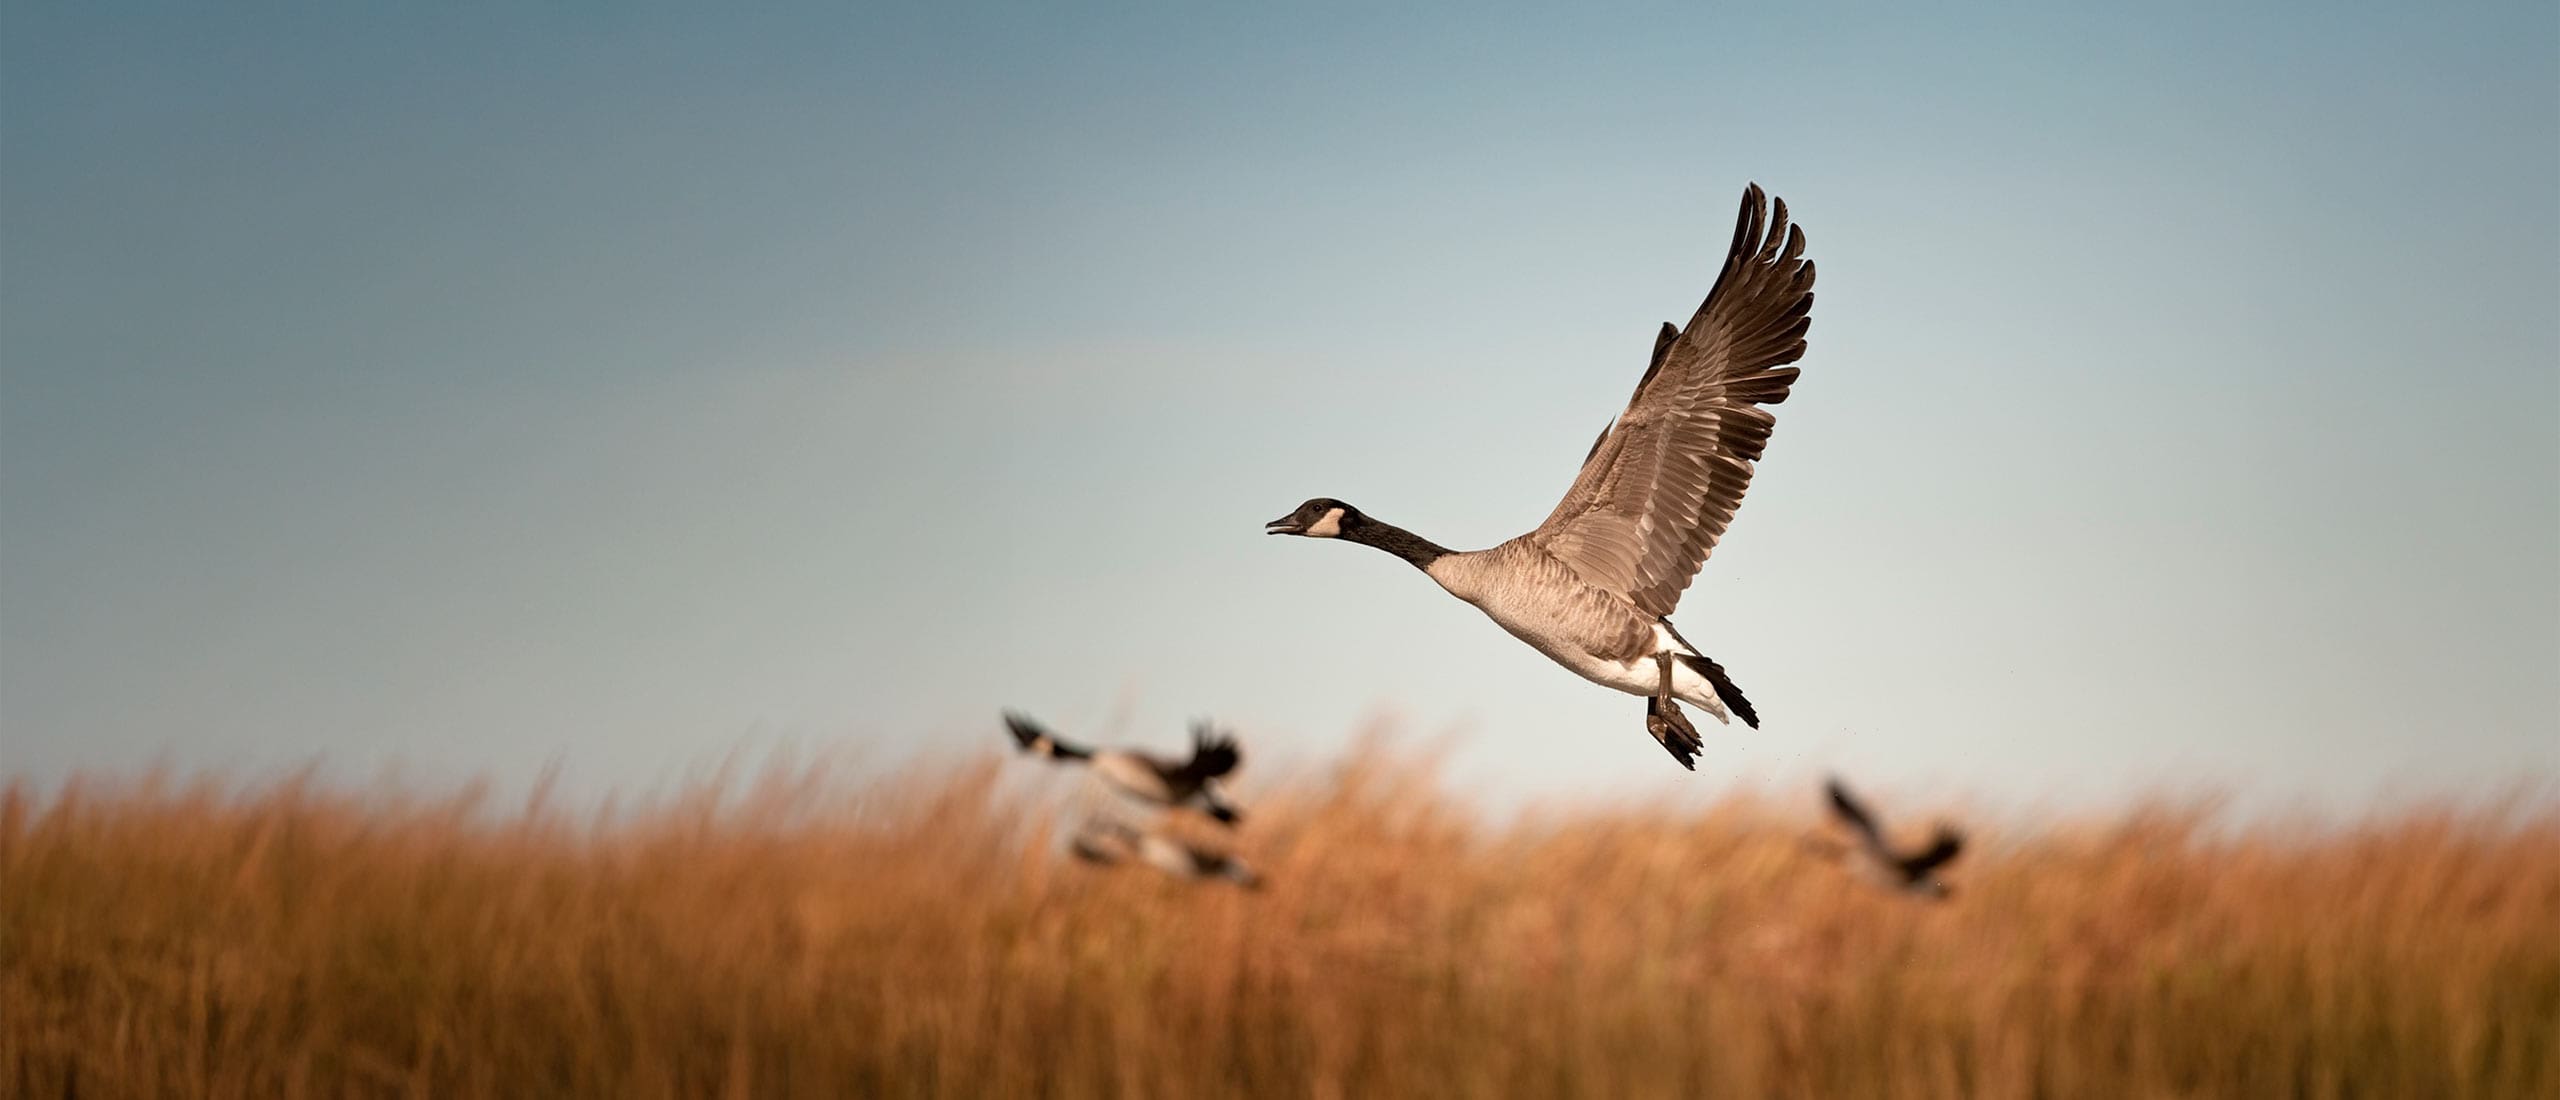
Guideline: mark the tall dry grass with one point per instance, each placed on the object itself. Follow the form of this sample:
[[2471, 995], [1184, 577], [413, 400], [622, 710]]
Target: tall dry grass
[[921, 938]]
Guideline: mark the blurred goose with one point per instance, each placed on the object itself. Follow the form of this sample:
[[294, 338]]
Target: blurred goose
[[1593, 587], [1145, 776], [1911, 872], [1107, 842]]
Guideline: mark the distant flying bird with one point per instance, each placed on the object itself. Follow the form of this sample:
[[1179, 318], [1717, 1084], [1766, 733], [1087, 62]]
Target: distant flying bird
[[1593, 587], [1145, 776], [1107, 842], [1912, 872]]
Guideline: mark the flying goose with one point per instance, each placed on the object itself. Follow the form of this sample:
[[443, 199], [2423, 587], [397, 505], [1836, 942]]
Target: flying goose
[[1105, 842], [1145, 776], [1910, 872], [1593, 587]]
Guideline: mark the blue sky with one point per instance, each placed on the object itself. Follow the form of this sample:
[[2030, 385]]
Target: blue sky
[[480, 387]]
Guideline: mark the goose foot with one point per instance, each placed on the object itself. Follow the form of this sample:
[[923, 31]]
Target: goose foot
[[1662, 719]]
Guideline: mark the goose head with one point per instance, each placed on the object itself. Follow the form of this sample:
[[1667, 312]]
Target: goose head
[[1321, 518]]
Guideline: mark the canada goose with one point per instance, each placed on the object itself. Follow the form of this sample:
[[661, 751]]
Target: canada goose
[[1145, 776], [1108, 842], [1914, 872], [1593, 587]]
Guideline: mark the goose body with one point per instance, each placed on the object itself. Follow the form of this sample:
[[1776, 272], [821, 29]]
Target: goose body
[[1158, 780], [1106, 843], [1593, 587], [1597, 636], [1876, 859]]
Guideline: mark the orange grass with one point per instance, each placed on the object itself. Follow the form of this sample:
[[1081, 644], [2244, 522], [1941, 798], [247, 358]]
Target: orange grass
[[920, 937]]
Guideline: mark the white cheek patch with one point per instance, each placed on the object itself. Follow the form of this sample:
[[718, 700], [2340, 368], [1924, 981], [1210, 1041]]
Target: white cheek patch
[[1330, 527]]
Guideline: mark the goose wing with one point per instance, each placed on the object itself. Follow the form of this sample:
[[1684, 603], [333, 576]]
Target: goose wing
[[1846, 807], [1942, 848], [1212, 754], [1660, 486]]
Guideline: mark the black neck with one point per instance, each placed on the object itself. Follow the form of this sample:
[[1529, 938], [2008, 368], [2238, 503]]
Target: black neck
[[1394, 540]]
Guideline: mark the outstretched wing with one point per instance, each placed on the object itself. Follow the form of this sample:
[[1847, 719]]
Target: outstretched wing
[[1942, 848], [1660, 487], [1847, 809], [1212, 754]]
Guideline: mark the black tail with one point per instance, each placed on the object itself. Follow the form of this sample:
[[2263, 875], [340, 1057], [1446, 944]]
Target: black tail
[[1725, 691]]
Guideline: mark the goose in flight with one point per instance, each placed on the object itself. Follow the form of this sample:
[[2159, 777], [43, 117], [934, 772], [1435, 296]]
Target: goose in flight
[[1147, 777], [1593, 587], [1913, 872], [1105, 842]]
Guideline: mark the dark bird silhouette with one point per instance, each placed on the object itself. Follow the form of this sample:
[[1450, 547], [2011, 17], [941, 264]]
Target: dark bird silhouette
[[1157, 780], [1877, 859]]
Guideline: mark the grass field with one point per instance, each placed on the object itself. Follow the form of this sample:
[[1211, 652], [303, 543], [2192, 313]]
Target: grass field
[[920, 937]]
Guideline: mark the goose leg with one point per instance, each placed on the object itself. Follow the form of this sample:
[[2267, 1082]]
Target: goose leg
[[1662, 719]]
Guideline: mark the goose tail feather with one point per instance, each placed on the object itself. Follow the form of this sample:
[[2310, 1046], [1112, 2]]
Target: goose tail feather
[[1726, 692]]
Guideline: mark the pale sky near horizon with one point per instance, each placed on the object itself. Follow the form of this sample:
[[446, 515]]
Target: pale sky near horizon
[[478, 388]]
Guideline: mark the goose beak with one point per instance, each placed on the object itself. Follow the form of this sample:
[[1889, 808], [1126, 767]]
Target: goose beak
[[1285, 525]]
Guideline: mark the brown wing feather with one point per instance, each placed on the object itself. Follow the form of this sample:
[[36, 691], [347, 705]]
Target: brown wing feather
[[1660, 488]]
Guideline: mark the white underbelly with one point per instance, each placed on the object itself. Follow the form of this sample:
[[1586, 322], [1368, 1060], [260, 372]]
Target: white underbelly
[[1642, 676]]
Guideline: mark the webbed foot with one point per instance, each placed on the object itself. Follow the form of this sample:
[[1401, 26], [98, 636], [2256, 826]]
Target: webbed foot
[[1662, 719]]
